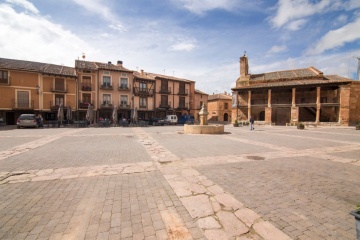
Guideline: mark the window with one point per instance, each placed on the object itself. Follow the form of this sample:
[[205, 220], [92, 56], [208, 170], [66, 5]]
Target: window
[[201, 104], [181, 87], [164, 101], [123, 74], [226, 105], [4, 77], [106, 99], [59, 99], [123, 100], [143, 86], [123, 83], [182, 102], [23, 99], [106, 81], [86, 80], [164, 85], [86, 97], [143, 102], [59, 84]]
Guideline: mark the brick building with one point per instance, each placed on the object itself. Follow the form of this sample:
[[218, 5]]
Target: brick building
[[219, 107], [291, 96]]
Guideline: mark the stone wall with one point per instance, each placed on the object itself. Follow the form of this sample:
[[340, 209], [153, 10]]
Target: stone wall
[[354, 116]]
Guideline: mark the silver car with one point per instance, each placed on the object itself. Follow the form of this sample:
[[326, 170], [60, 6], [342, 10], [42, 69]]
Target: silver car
[[27, 120]]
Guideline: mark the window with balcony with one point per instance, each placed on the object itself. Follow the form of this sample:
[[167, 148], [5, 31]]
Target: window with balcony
[[143, 87], [181, 88], [124, 83], [23, 99], [59, 99], [123, 100], [164, 86], [106, 81], [86, 97], [106, 100], [181, 102], [143, 102], [59, 85], [86, 83], [164, 101], [4, 77]]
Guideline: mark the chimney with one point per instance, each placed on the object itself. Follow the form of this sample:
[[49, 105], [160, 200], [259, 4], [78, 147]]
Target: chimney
[[119, 63], [109, 63], [142, 72], [244, 66]]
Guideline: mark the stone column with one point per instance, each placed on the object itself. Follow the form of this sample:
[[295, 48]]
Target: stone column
[[249, 105], [344, 112], [293, 97], [318, 104], [268, 110]]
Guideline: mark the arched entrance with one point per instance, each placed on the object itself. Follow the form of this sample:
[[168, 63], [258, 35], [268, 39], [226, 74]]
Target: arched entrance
[[226, 117]]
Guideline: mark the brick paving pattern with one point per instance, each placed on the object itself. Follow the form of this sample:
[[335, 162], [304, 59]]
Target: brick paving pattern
[[158, 183]]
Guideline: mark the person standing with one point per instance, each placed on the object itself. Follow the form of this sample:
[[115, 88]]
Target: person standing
[[251, 123]]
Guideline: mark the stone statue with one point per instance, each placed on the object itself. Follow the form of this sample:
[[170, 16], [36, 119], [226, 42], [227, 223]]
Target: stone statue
[[203, 115]]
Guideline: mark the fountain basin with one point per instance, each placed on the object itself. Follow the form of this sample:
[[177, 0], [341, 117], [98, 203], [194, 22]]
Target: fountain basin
[[204, 129]]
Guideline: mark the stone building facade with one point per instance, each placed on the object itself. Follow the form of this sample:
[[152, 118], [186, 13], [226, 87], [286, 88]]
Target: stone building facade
[[293, 96], [219, 107], [33, 87]]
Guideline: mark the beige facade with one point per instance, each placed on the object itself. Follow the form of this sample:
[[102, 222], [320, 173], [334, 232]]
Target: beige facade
[[292, 96], [32, 87], [200, 99], [219, 107]]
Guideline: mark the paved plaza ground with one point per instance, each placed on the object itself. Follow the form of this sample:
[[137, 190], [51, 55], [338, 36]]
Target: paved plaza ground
[[159, 183]]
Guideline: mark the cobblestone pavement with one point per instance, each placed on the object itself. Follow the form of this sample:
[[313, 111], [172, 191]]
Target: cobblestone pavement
[[158, 183]]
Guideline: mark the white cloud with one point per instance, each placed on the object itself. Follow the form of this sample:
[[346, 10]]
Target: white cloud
[[41, 40], [337, 38], [28, 6], [277, 49], [296, 24], [183, 46], [289, 11], [98, 7]]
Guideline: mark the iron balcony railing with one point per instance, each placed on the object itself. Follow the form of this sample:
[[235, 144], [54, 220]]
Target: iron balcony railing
[[85, 104], [165, 105], [124, 105], [143, 91], [183, 92], [56, 105], [86, 87], [124, 87], [23, 104], [106, 104], [183, 106], [59, 89], [106, 87], [165, 90]]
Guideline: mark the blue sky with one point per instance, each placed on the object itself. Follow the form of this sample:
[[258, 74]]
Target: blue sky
[[201, 40]]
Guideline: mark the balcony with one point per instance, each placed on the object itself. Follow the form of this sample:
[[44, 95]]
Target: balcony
[[59, 90], [143, 91], [86, 88], [143, 107], [165, 105], [124, 106], [106, 105], [23, 104], [85, 104], [106, 87], [183, 92], [55, 106], [165, 91], [183, 106], [124, 87]]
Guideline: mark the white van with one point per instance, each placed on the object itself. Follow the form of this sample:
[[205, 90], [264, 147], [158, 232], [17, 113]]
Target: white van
[[171, 119]]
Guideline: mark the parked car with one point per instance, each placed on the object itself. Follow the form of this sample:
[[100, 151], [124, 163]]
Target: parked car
[[27, 120], [186, 119], [156, 121], [171, 119]]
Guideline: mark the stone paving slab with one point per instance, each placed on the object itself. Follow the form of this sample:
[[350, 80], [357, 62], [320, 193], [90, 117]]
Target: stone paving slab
[[233, 186]]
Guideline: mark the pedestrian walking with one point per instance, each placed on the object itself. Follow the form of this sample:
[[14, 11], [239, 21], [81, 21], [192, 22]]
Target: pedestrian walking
[[251, 123]]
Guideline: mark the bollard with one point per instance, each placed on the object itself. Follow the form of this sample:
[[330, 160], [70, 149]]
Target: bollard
[[356, 214]]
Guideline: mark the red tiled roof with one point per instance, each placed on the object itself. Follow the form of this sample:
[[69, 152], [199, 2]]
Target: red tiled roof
[[200, 92], [45, 68], [292, 78], [81, 64], [144, 76], [219, 96]]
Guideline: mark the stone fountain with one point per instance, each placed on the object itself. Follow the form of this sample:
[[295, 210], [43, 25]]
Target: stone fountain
[[204, 127]]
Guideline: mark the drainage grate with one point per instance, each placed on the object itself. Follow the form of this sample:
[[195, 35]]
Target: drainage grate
[[255, 158]]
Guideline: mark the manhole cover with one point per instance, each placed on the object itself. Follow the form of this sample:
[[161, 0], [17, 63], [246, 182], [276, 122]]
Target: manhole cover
[[255, 158], [129, 136]]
